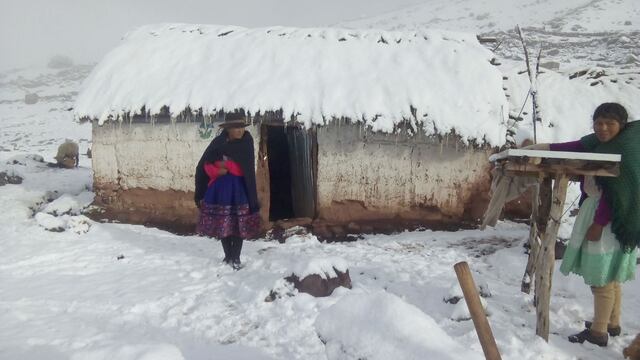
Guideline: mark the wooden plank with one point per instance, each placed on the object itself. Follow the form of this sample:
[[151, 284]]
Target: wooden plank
[[546, 258], [486, 39], [579, 168], [480, 322], [555, 155]]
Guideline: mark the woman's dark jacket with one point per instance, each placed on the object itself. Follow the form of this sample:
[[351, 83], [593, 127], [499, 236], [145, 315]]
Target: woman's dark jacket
[[242, 152]]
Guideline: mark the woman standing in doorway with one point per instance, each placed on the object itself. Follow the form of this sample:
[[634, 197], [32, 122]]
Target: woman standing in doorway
[[602, 248], [226, 188]]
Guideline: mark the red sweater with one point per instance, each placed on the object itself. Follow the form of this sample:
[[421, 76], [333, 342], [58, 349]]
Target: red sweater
[[213, 170]]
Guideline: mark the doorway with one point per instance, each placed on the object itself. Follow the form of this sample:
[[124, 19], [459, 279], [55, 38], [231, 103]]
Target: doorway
[[291, 157]]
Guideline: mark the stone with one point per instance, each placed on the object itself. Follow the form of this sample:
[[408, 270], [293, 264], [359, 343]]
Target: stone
[[338, 231], [316, 286], [31, 99], [452, 299], [9, 179], [322, 231], [633, 350], [295, 230], [550, 65]]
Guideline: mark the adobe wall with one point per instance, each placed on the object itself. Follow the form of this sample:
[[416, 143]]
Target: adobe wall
[[365, 176], [144, 173]]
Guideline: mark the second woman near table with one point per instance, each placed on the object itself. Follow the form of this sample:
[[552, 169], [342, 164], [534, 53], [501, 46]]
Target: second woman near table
[[602, 248]]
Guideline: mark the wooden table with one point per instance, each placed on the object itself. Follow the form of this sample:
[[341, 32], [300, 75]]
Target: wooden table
[[547, 209]]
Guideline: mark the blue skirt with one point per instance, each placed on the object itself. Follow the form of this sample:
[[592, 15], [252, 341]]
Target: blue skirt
[[227, 190], [225, 211]]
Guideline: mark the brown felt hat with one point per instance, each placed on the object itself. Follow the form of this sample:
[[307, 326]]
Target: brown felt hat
[[235, 119]]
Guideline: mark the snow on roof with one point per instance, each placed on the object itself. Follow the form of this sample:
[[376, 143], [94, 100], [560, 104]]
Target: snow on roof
[[377, 77]]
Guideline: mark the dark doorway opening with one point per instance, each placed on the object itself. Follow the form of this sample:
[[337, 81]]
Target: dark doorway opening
[[291, 154], [281, 205]]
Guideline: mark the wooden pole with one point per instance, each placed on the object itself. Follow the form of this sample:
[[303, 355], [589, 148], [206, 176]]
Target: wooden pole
[[541, 205], [534, 243], [532, 88], [480, 321], [546, 257]]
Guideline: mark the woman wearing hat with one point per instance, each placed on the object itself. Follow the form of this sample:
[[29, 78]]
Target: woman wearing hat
[[226, 189]]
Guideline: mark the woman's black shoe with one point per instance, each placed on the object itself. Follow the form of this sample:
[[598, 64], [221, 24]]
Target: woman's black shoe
[[613, 331], [586, 335]]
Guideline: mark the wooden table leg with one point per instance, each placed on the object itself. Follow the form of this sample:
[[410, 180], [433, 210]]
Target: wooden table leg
[[546, 258], [534, 244], [541, 204]]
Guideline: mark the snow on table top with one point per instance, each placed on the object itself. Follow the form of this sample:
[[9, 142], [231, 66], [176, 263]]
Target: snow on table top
[[555, 155], [315, 74]]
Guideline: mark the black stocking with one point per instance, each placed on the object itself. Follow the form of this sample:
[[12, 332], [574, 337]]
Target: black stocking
[[237, 248], [227, 246]]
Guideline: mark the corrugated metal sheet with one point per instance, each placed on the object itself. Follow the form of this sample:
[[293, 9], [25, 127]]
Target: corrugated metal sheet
[[300, 143]]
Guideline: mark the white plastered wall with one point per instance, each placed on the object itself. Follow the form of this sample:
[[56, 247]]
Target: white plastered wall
[[142, 155]]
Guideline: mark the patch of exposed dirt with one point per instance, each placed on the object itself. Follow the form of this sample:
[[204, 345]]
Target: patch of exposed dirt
[[486, 246]]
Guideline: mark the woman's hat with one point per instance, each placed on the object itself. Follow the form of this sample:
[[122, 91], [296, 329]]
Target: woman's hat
[[234, 119]]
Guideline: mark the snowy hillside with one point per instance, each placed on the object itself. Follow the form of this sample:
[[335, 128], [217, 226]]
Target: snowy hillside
[[593, 42], [487, 16], [42, 126]]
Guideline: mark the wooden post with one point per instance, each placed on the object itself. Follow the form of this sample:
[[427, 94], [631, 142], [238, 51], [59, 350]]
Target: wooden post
[[480, 321], [263, 181], [534, 244], [541, 203], [546, 257]]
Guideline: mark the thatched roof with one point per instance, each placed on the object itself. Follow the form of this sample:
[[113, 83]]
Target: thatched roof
[[442, 81]]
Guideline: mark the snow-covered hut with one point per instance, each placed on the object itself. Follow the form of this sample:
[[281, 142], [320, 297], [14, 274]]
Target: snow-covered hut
[[361, 127]]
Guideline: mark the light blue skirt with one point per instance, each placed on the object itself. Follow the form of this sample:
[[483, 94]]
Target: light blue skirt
[[598, 262]]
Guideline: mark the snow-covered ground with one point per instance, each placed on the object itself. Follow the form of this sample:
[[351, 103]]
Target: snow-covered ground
[[90, 290], [115, 291]]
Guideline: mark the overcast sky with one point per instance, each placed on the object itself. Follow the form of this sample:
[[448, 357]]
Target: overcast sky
[[31, 31]]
